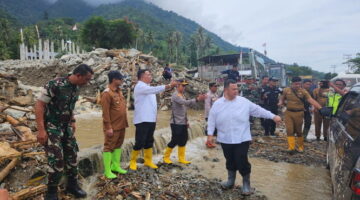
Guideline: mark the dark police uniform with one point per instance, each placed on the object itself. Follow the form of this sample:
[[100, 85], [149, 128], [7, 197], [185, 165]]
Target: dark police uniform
[[270, 96]]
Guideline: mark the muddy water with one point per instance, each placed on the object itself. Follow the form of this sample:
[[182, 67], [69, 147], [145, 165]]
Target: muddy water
[[278, 181], [89, 126]]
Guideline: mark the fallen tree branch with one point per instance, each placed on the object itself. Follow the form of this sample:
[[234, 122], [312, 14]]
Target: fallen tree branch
[[29, 192], [8, 168]]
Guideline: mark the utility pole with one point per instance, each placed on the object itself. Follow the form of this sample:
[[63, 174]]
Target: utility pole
[[347, 57], [334, 67]]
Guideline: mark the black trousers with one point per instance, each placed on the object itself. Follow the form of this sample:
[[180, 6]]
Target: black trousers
[[307, 120], [179, 135], [236, 156], [206, 133], [269, 124], [144, 135]]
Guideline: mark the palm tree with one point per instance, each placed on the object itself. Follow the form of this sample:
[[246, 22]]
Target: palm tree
[[170, 42], [177, 39]]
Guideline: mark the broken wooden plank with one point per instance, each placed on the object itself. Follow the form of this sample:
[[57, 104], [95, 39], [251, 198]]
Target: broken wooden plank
[[23, 143], [29, 192], [32, 154], [8, 168]]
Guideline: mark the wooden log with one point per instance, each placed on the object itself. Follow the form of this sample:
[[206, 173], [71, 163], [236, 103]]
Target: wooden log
[[12, 120], [20, 108], [29, 192], [8, 168], [23, 143], [32, 154]]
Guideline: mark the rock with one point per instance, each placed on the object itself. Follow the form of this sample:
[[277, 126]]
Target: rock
[[14, 113], [5, 128], [23, 100], [132, 53], [71, 59], [90, 62]]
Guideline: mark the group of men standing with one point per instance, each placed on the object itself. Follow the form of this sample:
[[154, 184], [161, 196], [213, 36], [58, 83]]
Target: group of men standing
[[227, 115]]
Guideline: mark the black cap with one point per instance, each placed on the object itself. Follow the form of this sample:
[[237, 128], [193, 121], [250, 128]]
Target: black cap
[[115, 75], [212, 84], [273, 79], [182, 82], [296, 79], [307, 81]]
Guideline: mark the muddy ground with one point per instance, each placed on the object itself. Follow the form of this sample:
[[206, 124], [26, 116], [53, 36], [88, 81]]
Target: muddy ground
[[275, 149]]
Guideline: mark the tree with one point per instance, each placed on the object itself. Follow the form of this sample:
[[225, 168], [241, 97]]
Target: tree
[[329, 75], [355, 63], [177, 37], [94, 32], [119, 34], [170, 42]]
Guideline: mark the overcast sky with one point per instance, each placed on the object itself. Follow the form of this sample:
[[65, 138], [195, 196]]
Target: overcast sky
[[315, 33]]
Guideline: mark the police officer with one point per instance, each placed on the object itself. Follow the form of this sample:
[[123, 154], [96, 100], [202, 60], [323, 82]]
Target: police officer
[[232, 74], [335, 96], [179, 122], [295, 97], [56, 125], [270, 96]]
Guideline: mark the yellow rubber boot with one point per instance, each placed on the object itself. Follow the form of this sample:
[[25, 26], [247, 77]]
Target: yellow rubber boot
[[134, 155], [181, 154], [167, 154], [300, 141], [148, 158], [291, 143]]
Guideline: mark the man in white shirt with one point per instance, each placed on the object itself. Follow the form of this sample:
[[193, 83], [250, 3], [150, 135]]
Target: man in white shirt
[[230, 115], [145, 116]]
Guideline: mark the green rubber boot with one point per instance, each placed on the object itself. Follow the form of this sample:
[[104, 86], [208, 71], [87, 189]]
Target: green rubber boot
[[107, 162], [115, 165]]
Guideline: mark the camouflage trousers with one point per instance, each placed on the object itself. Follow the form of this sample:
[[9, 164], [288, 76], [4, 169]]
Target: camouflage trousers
[[61, 151]]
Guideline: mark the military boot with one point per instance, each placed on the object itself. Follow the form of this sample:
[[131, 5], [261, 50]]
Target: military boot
[[51, 193], [231, 180], [74, 188]]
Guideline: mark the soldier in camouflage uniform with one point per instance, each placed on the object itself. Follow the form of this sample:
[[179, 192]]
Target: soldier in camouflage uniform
[[56, 126], [250, 91]]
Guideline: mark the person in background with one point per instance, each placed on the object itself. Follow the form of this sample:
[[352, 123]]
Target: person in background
[[230, 115], [321, 95], [261, 88], [145, 117], [232, 73], [114, 124], [54, 111], [336, 94], [270, 98], [167, 73], [295, 98], [307, 113], [211, 97], [179, 122]]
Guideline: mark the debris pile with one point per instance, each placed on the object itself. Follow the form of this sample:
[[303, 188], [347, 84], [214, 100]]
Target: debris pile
[[275, 149], [20, 153], [127, 61], [168, 182]]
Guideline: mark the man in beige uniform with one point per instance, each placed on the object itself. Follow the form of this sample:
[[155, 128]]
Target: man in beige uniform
[[295, 97], [114, 124]]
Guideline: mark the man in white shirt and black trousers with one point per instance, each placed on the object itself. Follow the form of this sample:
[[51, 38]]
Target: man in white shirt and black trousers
[[230, 116], [145, 117]]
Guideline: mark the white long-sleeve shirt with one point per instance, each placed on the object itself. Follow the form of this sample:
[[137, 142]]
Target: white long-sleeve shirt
[[145, 102], [231, 119]]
